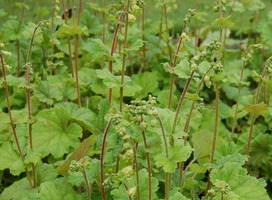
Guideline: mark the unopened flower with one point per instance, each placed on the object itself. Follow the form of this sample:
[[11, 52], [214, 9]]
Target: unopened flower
[[131, 18], [132, 191]]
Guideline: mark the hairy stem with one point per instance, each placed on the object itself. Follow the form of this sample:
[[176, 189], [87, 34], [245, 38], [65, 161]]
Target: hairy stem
[[102, 158], [104, 31], [86, 182], [195, 30], [124, 59], [11, 119]]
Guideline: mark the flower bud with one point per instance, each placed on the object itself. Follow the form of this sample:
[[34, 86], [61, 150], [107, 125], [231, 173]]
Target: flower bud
[[131, 18]]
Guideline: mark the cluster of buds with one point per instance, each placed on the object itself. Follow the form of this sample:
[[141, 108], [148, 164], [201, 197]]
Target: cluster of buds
[[200, 107], [250, 51], [2, 46], [184, 36], [142, 107], [206, 54], [217, 67], [135, 6], [217, 6], [116, 119], [211, 193], [44, 24], [191, 13], [77, 165]]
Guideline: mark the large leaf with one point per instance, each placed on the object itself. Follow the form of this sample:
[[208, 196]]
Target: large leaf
[[79, 153], [243, 186], [177, 153], [54, 134], [46, 93], [147, 81], [257, 109], [10, 159]]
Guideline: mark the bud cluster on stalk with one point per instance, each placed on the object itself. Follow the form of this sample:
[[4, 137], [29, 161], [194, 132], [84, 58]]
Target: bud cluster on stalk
[[217, 5], [207, 54], [250, 51]]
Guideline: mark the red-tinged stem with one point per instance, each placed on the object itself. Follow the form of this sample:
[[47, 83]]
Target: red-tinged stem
[[167, 175], [86, 182], [161, 22], [217, 102], [76, 55], [174, 65], [127, 189], [181, 101], [256, 102], [94, 12], [18, 42], [113, 46], [136, 168], [11, 119], [102, 158], [143, 36], [167, 31], [73, 12], [68, 39], [148, 168], [28, 97], [124, 59], [187, 124], [237, 101]]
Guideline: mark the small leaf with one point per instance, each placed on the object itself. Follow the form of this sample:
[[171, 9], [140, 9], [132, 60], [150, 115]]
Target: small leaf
[[136, 46], [193, 97], [66, 30], [224, 22], [258, 109]]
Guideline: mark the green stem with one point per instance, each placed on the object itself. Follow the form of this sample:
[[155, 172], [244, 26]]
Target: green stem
[[195, 30], [167, 31], [124, 59], [86, 182], [143, 36]]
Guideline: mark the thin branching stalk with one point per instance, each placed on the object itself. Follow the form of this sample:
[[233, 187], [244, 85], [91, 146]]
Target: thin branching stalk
[[148, 164], [136, 168], [167, 32], [181, 101], [86, 182], [256, 102], [124, 59], [102, 158], [217, 102], [187, 124], [238, 99], [68, 39], [76, 55], [28, 97], [167, 175], [11, 119], [18, 42], [241, 33], [143, 35], [225, 30], [174, 65], [113, 47]]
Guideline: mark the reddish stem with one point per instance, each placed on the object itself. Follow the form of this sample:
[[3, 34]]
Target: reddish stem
[[102, 158], [114, 42], [148, 165], [11, 119], [174, 65], [256, 102]]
